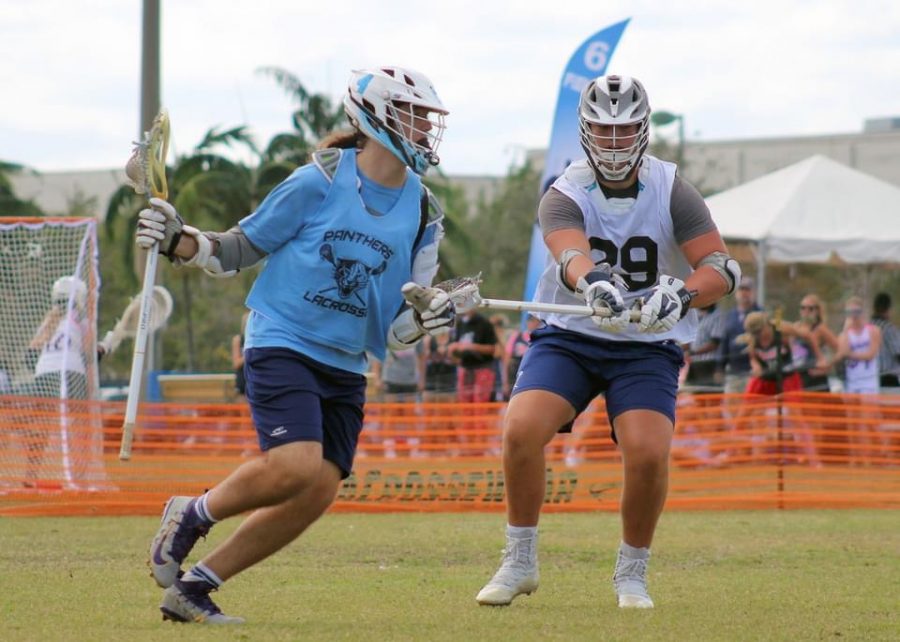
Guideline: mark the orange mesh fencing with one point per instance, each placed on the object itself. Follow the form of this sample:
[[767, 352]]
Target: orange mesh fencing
[[729, 451]]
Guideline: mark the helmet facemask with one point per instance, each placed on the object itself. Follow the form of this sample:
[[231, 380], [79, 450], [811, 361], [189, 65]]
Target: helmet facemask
[[614, 123], [617, 150], [417, 133]]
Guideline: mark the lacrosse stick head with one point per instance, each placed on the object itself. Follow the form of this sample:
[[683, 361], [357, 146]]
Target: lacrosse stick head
[[127, 325], [146, 168], [463, 291], [160, 311]]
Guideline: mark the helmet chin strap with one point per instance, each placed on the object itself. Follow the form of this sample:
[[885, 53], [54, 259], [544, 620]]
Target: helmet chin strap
[[632, 173]]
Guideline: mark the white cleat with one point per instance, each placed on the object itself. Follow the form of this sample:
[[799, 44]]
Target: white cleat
[[630, 580], [628, 601], [517, 575], [506, 584]]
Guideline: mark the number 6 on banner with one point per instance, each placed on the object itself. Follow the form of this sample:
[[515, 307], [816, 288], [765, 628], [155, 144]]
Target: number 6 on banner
[[146, 171]]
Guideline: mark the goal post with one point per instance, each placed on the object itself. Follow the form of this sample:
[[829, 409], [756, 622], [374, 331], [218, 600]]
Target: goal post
[[52, 435]]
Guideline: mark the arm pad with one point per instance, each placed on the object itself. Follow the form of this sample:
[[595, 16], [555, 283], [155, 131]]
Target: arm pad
[[565, 257], [727, 267], [204, 258]]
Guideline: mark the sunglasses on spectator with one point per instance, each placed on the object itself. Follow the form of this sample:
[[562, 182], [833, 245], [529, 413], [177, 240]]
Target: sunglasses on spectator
[[809, 307], [853, 312]]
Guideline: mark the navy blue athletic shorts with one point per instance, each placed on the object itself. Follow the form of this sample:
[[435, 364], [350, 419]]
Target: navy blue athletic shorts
[[633, 375], [295, 398]]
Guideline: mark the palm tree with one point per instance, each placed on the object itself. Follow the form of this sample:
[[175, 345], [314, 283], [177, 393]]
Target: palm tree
[[10, 204], [458, 241], [315, 117]]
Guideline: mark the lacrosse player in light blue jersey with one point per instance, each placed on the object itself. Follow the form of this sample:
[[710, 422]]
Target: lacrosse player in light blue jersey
[[346, 239], [622, 230]]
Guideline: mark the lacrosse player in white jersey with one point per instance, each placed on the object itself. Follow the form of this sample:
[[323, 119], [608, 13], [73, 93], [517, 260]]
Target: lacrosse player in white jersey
[[622, 231]]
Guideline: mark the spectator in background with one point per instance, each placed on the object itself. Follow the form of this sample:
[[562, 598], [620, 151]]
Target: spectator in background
[[809, 352], [769, 351], [473, 346], [765, 360], [237, 359], [702, 355], [440, 369], [499, 322], [440, 388], [401, 379], [733, 362], [889, 355], [859, 344], [514, 350]]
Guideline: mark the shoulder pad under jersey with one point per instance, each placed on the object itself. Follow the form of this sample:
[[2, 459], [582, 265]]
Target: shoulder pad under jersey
[[581, 174], [327, 161], [435, 211]]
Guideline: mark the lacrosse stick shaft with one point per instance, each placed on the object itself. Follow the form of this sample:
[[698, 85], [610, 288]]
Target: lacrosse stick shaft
[[146, 171], [140, 350], [556, 308]]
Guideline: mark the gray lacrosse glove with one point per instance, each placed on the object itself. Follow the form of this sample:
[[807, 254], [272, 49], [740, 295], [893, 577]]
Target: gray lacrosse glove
[[159, 225], [434, 311], [600, 289], [668, 303]]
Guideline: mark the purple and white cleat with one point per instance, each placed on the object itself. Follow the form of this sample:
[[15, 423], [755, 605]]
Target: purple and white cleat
[[179, 530]]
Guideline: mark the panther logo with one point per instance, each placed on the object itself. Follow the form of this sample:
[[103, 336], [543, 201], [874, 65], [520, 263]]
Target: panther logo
[[350, 275]]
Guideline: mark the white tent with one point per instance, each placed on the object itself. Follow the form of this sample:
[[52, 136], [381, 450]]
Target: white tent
[[810, 212]]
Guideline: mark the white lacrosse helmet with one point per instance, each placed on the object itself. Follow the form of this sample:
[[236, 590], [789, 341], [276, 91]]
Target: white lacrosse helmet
[[69, 287], [616, 101], [374, 102]]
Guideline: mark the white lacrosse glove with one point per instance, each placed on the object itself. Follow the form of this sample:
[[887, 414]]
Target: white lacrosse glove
[[434, 311], [667, 304], [430, 311], [159, 224], [601, 292]]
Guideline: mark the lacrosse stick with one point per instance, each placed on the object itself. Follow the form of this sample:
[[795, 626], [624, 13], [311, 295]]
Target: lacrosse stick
[[126, 327], [146, 171], [464, 293]]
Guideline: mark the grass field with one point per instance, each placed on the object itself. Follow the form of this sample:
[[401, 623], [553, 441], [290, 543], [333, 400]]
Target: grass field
[[793, 575]]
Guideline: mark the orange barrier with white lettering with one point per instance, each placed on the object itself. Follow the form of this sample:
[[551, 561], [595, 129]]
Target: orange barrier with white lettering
[[729, 451]]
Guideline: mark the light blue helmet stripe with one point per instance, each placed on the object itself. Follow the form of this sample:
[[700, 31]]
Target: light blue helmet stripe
[[363, 83]]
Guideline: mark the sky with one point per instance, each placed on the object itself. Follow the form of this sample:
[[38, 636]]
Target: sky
[[70, 71]]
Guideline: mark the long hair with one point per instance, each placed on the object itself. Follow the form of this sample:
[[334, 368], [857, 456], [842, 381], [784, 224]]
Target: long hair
[[753, 325], [343, 139], [817, 301]]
